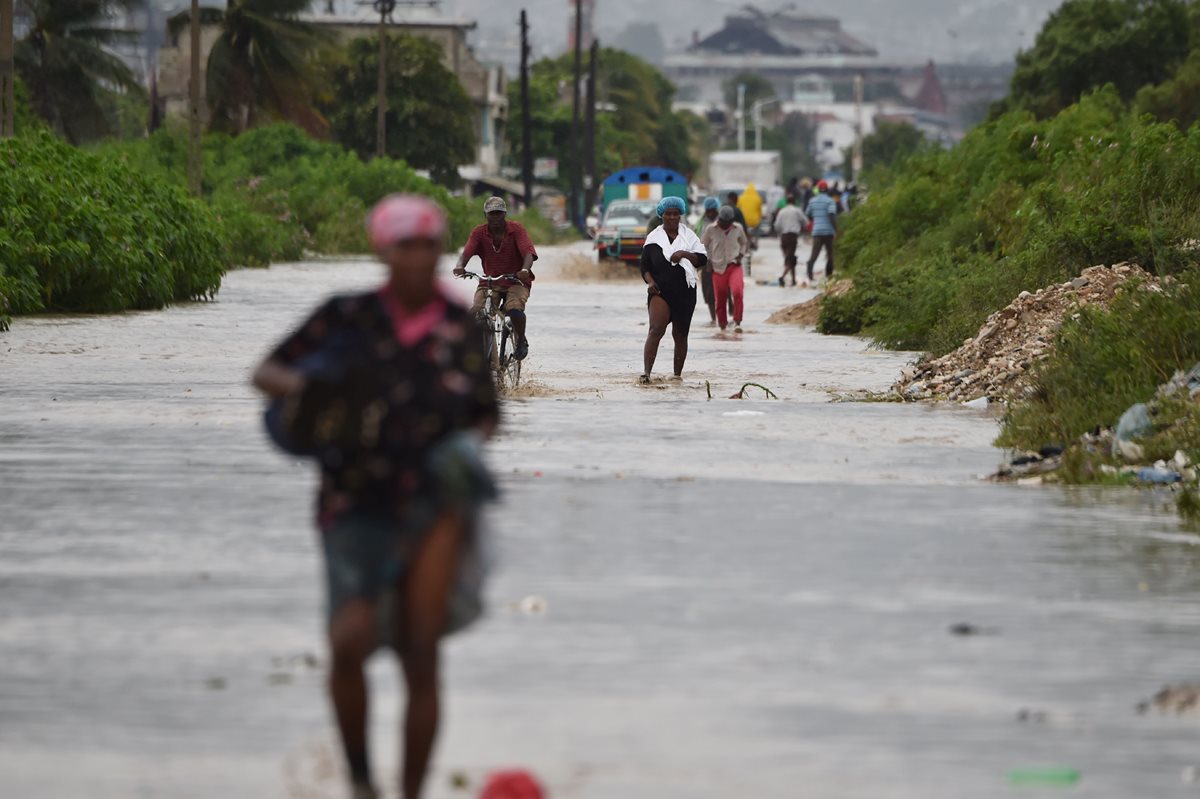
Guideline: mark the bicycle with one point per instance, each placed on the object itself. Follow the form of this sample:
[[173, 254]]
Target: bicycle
[[498, 331]]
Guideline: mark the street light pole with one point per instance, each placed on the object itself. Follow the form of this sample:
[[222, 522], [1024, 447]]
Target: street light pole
[[856, 162], [195, 159], [385, 9], [756, 112], [8, 99], [741, 116]]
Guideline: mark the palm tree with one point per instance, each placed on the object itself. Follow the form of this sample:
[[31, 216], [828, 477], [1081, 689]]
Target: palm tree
[[261, 64], [64, 61]]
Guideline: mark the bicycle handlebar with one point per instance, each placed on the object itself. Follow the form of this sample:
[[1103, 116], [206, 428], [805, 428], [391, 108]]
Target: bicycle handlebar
[[490, 279]]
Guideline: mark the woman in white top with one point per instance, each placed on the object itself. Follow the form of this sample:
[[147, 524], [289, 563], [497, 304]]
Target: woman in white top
[[670, 258]]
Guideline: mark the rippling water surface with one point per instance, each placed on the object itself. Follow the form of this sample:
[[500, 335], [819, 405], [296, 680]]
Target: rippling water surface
[[743, 598]]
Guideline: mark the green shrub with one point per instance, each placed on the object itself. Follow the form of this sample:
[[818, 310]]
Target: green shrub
[[1017, 205], [1105, 361], [316, 192], [83, 233]]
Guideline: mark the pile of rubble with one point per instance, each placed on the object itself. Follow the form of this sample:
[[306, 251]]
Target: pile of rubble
[[995, 363], [808, 313]]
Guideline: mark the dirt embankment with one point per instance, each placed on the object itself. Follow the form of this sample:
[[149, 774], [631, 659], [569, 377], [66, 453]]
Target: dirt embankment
[[808, 313], [996, 362]]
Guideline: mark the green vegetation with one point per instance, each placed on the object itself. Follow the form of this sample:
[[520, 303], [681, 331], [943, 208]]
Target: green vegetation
[[1105, 361], [430, 118], [280, 192], [1087, 44], [641, 128], [1019, 204], [84, 233]]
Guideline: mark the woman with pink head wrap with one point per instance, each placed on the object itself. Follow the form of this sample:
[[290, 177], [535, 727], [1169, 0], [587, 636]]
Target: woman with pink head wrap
[[390, 392]]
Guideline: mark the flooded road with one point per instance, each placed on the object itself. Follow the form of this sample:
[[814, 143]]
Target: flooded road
[[742, 598]]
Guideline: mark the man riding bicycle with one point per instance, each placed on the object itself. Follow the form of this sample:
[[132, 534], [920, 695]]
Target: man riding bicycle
[[504, 248]]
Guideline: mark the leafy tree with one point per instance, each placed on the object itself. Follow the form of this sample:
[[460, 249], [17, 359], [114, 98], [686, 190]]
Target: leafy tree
[[261, 66], [1088, 43], [890, 143], [63, 61], [430, 118], [757, 88], [1176, 100], [634, 125], [793, 138]]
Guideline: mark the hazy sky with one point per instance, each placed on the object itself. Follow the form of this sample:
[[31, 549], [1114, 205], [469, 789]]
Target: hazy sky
[[907, 30]]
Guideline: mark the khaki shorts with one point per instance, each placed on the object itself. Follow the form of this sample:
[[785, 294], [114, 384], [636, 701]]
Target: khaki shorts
[[515, 298]]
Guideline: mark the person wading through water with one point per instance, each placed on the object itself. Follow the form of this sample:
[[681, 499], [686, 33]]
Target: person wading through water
[[726, 245], [670, 257], [789, 223], [711, 207], [822, 210], [390, 392]]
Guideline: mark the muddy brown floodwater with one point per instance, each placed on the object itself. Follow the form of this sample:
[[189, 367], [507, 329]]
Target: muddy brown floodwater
[[741, 598]]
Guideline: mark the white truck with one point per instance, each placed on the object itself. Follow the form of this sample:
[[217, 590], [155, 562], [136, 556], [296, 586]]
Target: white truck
[[736, 169]]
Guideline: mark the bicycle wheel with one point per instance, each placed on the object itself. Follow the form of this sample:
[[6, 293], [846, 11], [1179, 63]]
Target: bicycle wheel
[[508, 373]]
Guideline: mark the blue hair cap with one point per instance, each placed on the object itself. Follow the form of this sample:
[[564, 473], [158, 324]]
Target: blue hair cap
[[666, 203], [711, 203]]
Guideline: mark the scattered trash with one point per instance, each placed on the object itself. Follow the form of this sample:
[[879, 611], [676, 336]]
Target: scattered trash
[[459, 781], [1134, 423], [215, 683], [966, 628], [1177, 699], [512, 785], [279, 678], [1032, 716], [1054, 776], [979, 403], [532, 605], [1158, 475], [742, 393]]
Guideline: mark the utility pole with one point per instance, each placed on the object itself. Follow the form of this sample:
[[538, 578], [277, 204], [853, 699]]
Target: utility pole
[[589, 180], [576, 150], [741, 116], [856, 161], [8, 100], [756, 113], [195, 157], [526, 133], [385, 9]]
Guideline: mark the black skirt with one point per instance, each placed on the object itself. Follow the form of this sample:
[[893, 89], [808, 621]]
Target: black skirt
[[672, 285]]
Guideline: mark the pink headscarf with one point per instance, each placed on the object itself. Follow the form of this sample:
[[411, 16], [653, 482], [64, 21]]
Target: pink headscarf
[[401, 217]]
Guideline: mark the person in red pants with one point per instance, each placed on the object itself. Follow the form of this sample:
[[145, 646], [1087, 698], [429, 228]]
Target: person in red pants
[[727, 245]]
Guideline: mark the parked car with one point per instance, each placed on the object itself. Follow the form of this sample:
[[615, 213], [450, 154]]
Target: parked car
[[622, 231]]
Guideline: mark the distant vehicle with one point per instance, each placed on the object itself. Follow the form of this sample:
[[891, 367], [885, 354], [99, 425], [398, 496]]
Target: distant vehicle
[[622, 231], [644, 183], [740, 168]]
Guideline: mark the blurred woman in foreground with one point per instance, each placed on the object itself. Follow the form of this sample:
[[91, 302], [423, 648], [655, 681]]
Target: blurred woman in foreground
[[390, 392]]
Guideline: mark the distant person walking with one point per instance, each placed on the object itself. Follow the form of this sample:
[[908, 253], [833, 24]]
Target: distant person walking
[[727, 245], [711, 206], [389, 391], [731, 200], [670, 258], [790, 222], [822, 210]]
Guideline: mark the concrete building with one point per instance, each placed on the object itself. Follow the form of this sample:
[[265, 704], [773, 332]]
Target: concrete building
[[782, 46], [484, 84]]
